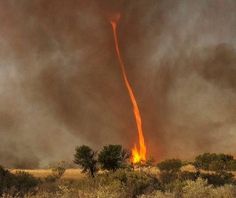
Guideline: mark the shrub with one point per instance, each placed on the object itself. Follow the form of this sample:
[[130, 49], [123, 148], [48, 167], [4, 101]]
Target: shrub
[[227, 191], [186, 175], [58, 171], [113, 190], [89, 188], [20, 183], [158, 194], [200, 188], [121, 183], [167, 177], [150, 162], [196, 189], [136, 183], [217, 165], [6, 180], [218, 179], [171, 165], [24, 182], [51, 178], [215, 162], [231, 165], [175, 187], [169, 171]]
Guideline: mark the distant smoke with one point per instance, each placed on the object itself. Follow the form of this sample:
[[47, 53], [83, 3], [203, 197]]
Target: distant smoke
[[61, 86]]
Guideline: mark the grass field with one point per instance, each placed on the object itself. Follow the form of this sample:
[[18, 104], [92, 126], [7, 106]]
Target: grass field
[[76, 173], [42, 173]]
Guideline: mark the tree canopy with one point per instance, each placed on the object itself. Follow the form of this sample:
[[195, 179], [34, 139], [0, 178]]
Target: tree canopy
[[112, 157], [85, 157]]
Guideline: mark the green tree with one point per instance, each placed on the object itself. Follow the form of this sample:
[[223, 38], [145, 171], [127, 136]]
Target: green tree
[[112, 157], [85, 157]]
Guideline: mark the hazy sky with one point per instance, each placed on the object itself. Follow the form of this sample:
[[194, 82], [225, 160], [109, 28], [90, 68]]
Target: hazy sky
[[61, 85]]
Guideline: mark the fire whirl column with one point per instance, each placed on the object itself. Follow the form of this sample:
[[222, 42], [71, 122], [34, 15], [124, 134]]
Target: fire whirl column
[[138, 154]]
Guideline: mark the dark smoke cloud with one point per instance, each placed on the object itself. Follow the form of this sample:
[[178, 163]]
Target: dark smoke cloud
[[61, 85]]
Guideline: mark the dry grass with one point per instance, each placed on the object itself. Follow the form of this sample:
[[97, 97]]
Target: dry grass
[[189, 168], [42, 173], [76, 173], [73, 174]]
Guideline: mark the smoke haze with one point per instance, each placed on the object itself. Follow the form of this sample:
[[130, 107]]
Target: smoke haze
[[61, 85]]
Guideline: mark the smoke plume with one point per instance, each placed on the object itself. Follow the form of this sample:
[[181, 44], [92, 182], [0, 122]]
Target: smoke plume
[[61, 85]]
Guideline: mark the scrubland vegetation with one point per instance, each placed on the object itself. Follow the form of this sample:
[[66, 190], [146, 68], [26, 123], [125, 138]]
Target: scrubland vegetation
[[109, 174]]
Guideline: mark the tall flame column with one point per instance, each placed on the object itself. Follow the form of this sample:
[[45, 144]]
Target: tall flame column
[[138, 154]]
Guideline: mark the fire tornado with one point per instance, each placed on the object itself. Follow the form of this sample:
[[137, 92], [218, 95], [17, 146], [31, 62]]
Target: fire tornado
[[138, 154]]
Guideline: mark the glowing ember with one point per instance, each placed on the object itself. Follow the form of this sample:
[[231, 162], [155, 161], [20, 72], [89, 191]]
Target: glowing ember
[[138, 154]]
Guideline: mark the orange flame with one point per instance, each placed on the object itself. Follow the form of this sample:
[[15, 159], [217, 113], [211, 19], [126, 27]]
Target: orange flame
[[138, 155]]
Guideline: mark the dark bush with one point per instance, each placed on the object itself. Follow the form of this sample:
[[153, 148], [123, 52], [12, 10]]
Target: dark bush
[[167, 177], [6, 180], [214, 162], [218, 179], [51, 178], [203, 161], [24, 182], [186, 175], [136, 183], [19, 183], [231, 165], [172, 165], [217, 165], [175, 187]]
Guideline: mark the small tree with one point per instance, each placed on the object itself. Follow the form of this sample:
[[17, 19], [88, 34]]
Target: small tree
[[85, 158], [112, 157]]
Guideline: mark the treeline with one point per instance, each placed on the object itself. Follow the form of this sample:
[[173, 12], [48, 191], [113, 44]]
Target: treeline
[[113, 157]]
